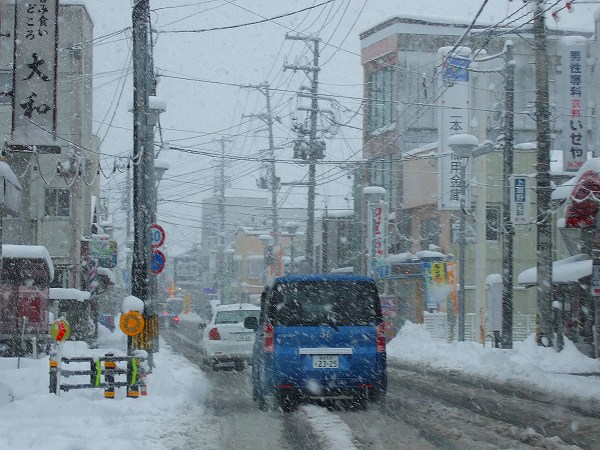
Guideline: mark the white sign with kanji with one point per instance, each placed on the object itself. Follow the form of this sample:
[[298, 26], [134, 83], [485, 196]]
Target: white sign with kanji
[[453, 118]]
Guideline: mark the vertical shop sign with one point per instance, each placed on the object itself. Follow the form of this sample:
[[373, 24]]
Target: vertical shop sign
[[453, 118], [35, 71], [574, 124]]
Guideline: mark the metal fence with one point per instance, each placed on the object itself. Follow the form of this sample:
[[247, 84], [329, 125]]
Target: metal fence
[[436, 325]]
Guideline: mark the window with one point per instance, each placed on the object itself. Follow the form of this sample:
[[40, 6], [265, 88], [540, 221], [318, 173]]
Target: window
[[315, 303], [430, 233], [236, 316], [381, 96], [57, 202], [492, 223]]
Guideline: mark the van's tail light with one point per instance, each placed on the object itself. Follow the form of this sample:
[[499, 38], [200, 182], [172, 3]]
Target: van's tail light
[[269, 340], [380, 338], [214, 335]]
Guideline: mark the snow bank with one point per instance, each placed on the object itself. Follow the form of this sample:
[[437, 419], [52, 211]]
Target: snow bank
[[527, 363]]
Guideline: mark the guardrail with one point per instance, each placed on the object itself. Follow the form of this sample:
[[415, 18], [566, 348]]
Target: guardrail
[[103, 372]]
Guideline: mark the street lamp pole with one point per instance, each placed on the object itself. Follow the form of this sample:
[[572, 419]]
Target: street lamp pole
[[462, 145]]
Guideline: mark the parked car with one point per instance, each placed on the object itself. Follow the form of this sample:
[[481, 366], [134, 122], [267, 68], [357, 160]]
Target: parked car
[[225, 340], [319, 336]]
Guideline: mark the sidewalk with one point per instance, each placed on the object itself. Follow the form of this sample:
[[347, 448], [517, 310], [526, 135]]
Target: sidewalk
[[170, 416], [526, 364]]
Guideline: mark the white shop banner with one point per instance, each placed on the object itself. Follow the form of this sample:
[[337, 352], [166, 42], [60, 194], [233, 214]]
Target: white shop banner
[[454, 89], [35, 71]]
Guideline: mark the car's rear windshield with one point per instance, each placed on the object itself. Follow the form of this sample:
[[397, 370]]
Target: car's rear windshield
[[235, 316], [337, 303], [173, 306]]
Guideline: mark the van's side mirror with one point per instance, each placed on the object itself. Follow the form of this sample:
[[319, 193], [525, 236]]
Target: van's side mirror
[[251, 323]]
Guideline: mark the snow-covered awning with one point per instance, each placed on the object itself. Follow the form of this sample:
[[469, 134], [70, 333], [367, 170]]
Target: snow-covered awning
[[566, 270], [68, 294]]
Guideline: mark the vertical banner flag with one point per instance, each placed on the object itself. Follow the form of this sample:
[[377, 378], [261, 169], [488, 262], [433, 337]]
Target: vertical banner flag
[[453, 118], [436, 286], [574, 123], [35, 71]]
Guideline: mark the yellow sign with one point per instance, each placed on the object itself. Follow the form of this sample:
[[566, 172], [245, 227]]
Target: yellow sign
[[187, 303], [131, 323], [60, 330]]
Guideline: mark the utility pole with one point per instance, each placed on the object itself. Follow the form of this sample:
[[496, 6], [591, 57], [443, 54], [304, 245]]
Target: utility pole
[[312, 151], [508, 229], [221, 213], [143, 157], [273, 183], [128, 239], [544, 230]]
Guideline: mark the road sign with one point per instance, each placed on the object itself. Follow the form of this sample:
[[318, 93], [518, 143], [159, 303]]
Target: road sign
[[131, 323], [158, 261], [157, 235], [60, 330]]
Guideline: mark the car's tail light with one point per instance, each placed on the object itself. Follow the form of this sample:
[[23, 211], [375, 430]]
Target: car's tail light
[[269, 341], [214, 335], [380, 338], [176, 319], [165, 313]]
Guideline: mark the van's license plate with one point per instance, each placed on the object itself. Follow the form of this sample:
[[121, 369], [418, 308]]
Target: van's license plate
[[325, 361]]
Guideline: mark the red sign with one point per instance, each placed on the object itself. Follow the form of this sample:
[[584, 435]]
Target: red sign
[[157, 235]]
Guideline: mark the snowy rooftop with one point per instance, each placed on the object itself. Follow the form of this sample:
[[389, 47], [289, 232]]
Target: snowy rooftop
[[28, 252], [68, 294], [565, 270]]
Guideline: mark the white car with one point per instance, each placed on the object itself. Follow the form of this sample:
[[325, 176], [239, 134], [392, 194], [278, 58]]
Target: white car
[[225, 340]]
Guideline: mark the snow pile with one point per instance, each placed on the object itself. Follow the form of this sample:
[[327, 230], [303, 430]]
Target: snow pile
[[170, 416], [329, 427], [527, 363], [132, 303]]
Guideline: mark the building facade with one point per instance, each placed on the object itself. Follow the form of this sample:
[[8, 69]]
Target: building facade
[[404, 96]]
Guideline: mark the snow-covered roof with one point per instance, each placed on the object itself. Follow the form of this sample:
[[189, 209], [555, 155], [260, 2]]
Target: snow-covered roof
[[429, 254], [68, 294], [565, 270], [340, 213], [237, 306], [28, 252], [107, 273], [400, 258], [563, 191], [8, 174]]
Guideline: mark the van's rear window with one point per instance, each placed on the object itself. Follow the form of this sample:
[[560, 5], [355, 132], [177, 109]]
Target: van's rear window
[[317, 303]]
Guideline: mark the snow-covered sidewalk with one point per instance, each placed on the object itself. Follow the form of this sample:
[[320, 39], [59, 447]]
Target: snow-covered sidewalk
[[170, 416], [526, 364]]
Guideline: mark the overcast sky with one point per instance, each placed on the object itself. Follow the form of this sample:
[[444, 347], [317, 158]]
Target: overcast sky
[[201, 73]]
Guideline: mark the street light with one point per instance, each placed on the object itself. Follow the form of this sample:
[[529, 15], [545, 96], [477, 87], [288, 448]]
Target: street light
[[462, 145], [374, 195], [292, 228], [465, 146]]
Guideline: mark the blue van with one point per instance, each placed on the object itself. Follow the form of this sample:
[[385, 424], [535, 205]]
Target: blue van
[[319, 337]]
